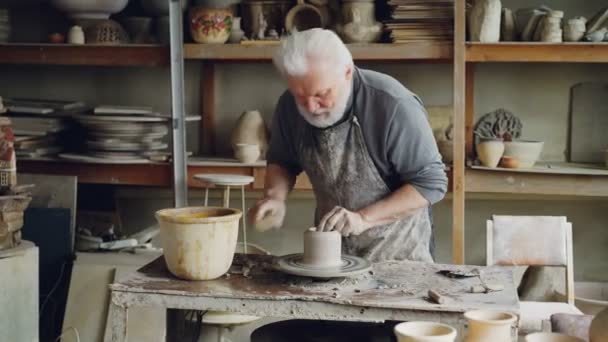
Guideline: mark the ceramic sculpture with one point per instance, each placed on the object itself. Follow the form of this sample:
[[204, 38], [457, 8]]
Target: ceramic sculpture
[[484, 21], [574, 29], [360, 25]]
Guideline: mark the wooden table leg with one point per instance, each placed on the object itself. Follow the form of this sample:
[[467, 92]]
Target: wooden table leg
[[118, 323], [176, 325]]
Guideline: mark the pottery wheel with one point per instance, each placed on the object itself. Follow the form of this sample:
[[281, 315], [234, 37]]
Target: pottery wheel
[[351, 265]]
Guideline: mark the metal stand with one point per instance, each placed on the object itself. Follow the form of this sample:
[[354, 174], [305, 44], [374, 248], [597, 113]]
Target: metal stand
[[180, 168]]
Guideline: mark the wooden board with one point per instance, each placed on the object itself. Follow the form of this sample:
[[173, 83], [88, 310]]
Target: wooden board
[[558, 168], [589, 122], [537, 52]]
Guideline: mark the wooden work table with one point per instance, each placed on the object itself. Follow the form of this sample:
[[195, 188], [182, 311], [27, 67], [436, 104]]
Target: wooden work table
[[392, 291]]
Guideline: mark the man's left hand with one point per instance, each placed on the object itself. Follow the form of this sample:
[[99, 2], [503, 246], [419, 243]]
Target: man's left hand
[[343, 221]]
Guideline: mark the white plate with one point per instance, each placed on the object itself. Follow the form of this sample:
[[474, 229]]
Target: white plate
[[224, 179], [117, 118], [95, 160]]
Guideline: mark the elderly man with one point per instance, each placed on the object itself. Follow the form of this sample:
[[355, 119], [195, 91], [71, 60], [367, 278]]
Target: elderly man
[[366, 145]]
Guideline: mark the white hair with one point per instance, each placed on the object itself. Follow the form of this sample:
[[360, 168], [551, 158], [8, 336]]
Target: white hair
[[315, 46]]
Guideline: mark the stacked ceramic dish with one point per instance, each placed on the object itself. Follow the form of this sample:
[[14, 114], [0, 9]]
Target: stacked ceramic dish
[[40, 126], [122, 135], [5, 25], [420, 20]]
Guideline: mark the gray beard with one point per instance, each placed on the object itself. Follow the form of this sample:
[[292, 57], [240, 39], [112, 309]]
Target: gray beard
[[329, 116]]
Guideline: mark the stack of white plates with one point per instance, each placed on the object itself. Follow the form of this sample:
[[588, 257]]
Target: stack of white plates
[[123, 138], [5, 25]]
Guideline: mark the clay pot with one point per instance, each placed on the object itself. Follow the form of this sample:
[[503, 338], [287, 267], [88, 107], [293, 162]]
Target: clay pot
[[484, 21], [551, 337], [322, 249], [210, 25], [527, 152], [251, 129], [509, 162], [236, 34], [489, 152], [198, 242], [303, 17], [360, 25], [487, 325], [247, 153], [446, 149], [424, 332], [598, 332]]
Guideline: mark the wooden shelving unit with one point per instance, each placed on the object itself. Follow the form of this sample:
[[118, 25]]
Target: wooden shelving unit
[[537, 52], [85, 55], [439, 52]]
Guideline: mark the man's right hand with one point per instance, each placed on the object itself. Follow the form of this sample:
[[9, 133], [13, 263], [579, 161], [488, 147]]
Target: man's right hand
[[268, 213]]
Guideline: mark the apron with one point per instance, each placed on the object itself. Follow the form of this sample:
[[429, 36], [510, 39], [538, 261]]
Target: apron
[[342, 173]]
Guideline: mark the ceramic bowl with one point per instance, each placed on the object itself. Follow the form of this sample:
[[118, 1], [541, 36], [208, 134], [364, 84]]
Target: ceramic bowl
[[551, 337], [424, 331], [210, 25], [247, 153], [90, 9], [527, 152]]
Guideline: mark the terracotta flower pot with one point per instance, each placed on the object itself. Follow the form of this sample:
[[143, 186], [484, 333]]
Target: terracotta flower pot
[[209, 25]]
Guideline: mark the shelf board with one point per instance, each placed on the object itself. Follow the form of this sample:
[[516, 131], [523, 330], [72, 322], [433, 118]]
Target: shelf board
[[568, 181], [94, 55], [424, 51], [537, 52]]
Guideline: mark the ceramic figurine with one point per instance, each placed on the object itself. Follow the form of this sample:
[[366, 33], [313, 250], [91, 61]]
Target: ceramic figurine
[[273, 34], [263, 25], [76, 35], [484, 21], [360, 25], [574, 29]]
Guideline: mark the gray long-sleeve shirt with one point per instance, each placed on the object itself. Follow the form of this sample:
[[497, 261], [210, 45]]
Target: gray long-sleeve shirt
[[395, 128]]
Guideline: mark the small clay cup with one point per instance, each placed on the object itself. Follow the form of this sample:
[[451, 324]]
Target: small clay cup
[[322, 249]]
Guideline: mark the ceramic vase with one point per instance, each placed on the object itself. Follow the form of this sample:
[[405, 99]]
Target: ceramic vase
[[236, 34], [424, 332], [598, 332], [489, 152], [250, 128], [76, 35], [574, 29], [551, 30], [484, 21], [487, 325], [360, 25], [210, 25]]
